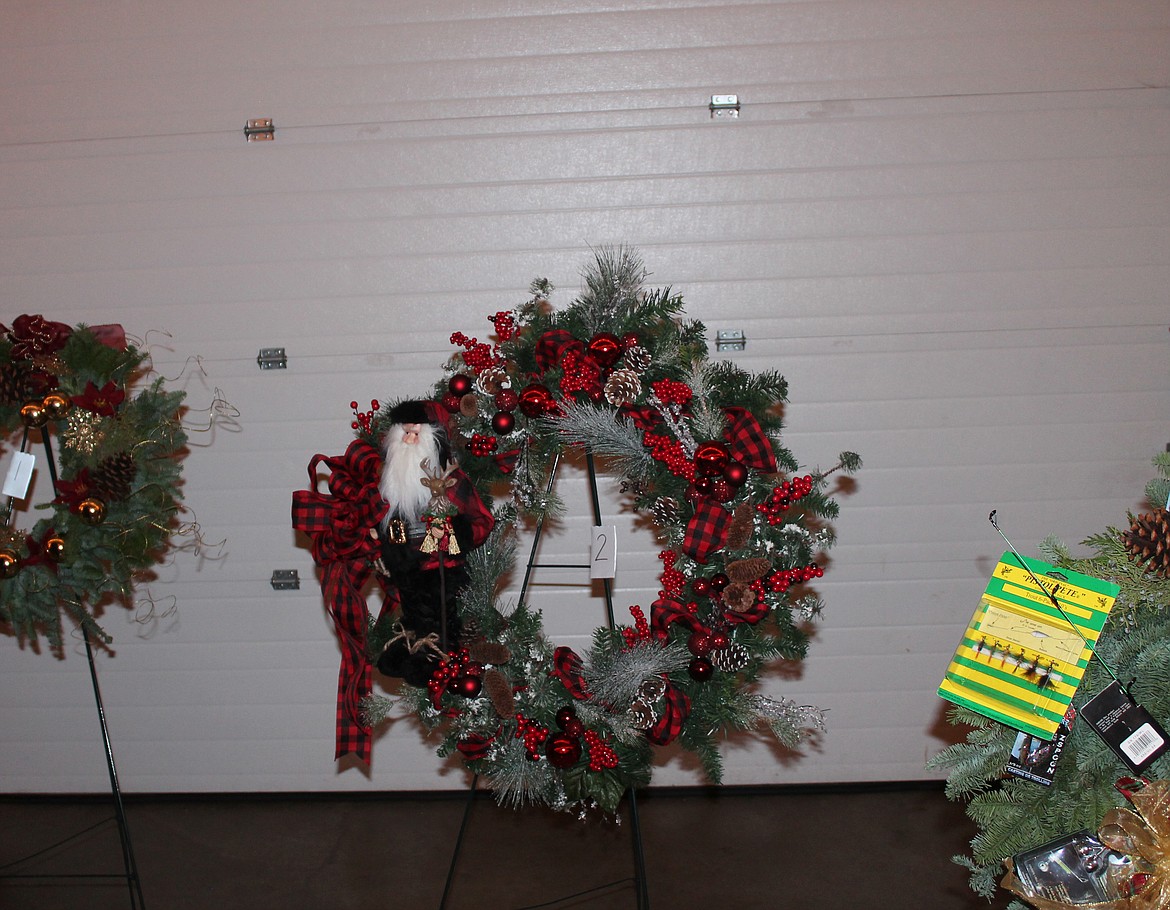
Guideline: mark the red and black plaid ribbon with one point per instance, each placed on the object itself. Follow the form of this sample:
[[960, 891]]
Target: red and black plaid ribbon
[[643, 417], [339, 524], [748, 442], [552, 346], [706, 531], [663, 612], [675, 711], [567, 667]]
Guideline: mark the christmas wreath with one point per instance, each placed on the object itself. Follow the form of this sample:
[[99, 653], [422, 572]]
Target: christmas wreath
[[622, 374], [114, 474]]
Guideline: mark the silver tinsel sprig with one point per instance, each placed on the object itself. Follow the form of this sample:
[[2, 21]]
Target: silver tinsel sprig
[[672, 417], [618, 441], [788, 721], [614, 677]]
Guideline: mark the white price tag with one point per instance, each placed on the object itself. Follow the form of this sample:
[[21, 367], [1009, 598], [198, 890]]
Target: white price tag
[[603, 552], [20, 471]]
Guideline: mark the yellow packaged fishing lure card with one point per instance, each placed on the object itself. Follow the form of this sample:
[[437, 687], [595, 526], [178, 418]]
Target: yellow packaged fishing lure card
[[1023, 656]]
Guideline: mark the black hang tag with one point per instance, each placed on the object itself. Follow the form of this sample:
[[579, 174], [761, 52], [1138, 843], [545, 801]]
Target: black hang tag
[[1127, 728]]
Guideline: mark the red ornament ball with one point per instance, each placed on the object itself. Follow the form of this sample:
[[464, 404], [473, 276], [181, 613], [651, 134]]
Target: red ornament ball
[[507, 399], [719, 581], [719, 641], [701, 669], [459, 384], [605, 349], [467, 685], [566, 714], [536, 400], [699, 643], [736, 473], [504, 422], [563, 750], [711, 458], [701, 586], [451, 401]]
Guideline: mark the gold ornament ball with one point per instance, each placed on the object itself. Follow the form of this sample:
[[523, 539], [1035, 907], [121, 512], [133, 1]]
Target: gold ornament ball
[[91, 511], [34, 414], [9, 562], [56, 406], [55, 549]]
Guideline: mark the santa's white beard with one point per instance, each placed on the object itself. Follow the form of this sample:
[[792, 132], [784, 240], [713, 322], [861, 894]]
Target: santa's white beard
[[402, 472]]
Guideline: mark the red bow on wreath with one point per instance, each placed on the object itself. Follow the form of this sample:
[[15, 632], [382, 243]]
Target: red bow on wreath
[[748, 444], [339, 524]]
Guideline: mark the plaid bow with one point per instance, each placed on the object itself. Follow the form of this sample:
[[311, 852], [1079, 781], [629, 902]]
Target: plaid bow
[[552, 346], [675, 711], [339, 524], [706, 532], [663, 612], [567, 668]]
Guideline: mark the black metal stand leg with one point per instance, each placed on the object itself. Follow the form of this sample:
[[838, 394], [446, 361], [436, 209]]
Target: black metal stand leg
[[132, 881], [459, 841]]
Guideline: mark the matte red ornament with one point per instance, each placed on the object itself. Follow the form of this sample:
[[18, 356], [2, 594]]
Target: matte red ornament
[[535, 400], [711, 458], [459, 384], [451, 401], [503, 422], [736, 473], [563, 750], [605, 349], [699, 643], [701, 669]]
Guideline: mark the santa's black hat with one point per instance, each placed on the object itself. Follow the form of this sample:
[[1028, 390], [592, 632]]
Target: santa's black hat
[[431, 413]]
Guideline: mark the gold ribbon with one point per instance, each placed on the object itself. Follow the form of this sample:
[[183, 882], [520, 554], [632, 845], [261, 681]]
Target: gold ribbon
[[439, 537], [1142, 833]]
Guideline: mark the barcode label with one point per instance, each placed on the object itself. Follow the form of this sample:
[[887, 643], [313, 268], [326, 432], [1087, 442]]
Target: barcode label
[[1141, 743]]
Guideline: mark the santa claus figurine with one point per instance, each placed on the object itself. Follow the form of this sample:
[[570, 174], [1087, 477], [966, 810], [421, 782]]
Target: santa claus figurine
[[435, 517]]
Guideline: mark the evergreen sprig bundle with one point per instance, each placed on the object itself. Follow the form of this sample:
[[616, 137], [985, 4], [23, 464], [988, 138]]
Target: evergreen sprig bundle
[[116, 491], [622, 373], [1014, 815]]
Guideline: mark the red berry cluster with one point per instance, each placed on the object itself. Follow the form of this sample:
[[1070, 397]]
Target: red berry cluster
[[641, 630], [669, 452], [672, 579], [533, 734], [671, 391], [783, 496], [362, 418], [601, 754], [780, 581], [482, 445], [458, 665], [580, 374], [476, 354], [505, 324]]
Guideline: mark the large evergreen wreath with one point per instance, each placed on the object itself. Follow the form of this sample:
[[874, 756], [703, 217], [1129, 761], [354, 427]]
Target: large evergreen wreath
[[621, 372], [1014, 814], [114, 473]]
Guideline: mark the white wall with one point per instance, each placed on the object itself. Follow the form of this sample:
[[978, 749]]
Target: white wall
[[945, 222]]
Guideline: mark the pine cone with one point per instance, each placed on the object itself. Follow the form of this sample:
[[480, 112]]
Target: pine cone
[[111, 479], [745, 571], [638, 358], [665, 510], [739, 532], [1148, 542], [489, 652], [622, 386], [14, 385], [499, 693], [730, 659]]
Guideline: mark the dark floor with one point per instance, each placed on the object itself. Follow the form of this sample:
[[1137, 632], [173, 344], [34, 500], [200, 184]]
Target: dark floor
[[791, 848]]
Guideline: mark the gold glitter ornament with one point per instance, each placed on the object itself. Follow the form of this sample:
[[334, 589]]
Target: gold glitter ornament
[[82, 431]]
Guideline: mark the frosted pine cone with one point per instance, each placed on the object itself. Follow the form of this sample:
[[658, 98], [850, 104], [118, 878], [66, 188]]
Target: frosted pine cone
[[622, 386]]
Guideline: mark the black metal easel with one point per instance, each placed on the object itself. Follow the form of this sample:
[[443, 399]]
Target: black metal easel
[[130, 875], [640, 886]]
